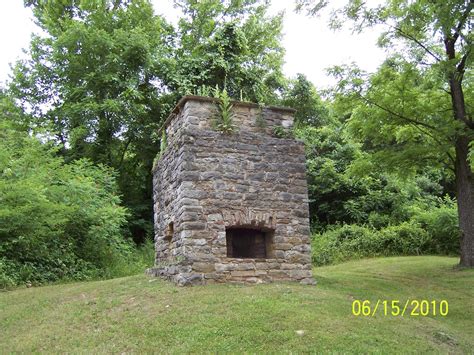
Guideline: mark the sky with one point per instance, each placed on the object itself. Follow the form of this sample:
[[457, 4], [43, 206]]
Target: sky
[[310, 46]]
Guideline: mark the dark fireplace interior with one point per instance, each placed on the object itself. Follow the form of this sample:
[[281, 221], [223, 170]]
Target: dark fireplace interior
[[249, 243]]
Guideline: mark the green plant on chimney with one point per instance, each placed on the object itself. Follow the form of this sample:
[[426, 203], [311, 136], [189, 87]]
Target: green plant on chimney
[[281, 132], [224, 118], [203, 90]]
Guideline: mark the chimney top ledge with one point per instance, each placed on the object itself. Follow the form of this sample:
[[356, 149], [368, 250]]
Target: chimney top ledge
[[187, 98]]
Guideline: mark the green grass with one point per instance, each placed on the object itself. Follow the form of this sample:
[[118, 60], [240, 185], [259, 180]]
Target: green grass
[[139, 314]]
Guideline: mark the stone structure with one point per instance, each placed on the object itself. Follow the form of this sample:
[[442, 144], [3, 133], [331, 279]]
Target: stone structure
[[231, 207]]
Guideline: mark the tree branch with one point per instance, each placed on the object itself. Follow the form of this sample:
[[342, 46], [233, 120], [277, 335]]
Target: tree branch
[[462, 64], [124, 151], [116, 4], [462, 21], [450, 157], [449, 167], [407, 119], [410, 37], [412, 122], [446, 91]]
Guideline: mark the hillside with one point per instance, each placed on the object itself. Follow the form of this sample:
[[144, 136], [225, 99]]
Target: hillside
[[139, 314]]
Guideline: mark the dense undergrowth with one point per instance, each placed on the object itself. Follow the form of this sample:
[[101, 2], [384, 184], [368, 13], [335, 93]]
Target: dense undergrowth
[[59, 221], [433, 231], [359, 211]]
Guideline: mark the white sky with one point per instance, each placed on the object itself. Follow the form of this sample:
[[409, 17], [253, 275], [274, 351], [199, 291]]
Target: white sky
[[310, 46]]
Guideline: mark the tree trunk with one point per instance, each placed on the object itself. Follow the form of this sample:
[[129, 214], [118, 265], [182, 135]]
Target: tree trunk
[[465, 201], [463, 171], [464, 178]]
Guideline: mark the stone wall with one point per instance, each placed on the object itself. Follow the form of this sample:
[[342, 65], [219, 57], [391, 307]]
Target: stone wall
[[207, 181]]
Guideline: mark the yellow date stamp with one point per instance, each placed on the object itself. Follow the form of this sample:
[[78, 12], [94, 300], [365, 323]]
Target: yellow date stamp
[[397, 308]]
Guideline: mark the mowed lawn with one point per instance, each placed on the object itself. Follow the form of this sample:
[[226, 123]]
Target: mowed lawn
[[139, 314]]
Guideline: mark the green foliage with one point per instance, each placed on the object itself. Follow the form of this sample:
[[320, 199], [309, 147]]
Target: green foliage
[[281, 132], [224, 118], [91, 82], [99, 59], [58, 221], [415, 112], [376, 209], [204, 90], [352, 242], [163, 145], [345, 185], [132, 261], [8, 273], [396, 113], [232, 44], [328, 155], [302, 95], [441, 222], [428, 229], [105, 74]]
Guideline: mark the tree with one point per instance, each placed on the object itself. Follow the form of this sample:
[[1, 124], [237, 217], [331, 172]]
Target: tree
[[107, 73], [302, 95], [57, 220], [232, 44], [90, 82], [416, 109]]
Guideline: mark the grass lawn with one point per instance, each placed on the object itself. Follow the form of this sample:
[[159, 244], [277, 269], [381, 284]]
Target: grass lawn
[[139, 314]]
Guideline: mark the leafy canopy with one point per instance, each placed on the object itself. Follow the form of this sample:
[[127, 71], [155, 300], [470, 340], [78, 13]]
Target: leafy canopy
[[404, 112]]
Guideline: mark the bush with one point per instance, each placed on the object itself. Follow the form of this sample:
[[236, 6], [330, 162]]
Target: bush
[[352, 242], [407, 238], [430, 227], [58, 221], [132, 262], [340, 243], [442, 223], [8, 274]]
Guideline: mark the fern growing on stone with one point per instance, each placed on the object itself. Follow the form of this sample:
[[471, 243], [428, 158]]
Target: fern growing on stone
[[224, 118]]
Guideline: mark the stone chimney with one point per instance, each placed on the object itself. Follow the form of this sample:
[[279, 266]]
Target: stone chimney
[[231, 207]]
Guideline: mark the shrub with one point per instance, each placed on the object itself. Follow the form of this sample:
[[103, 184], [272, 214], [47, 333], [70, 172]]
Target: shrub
[[407, 238], [132, 262], [442, 223], [58, 221], [430, 227], [353, 241], [339, 243], [8, 274]]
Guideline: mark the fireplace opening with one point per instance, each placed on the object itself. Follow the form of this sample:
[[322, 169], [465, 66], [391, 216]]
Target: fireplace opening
[[249, 243]]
